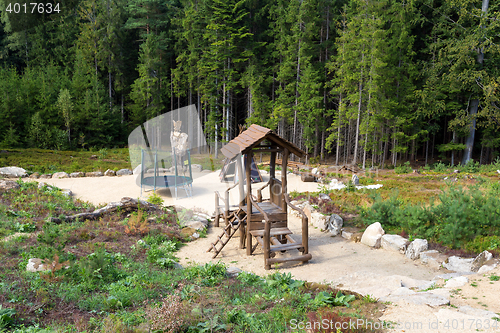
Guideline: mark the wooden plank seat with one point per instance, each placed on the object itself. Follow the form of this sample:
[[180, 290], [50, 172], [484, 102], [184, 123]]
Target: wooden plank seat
[[273, 211]]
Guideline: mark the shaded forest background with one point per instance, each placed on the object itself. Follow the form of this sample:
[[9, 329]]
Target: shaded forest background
[[357, 81]]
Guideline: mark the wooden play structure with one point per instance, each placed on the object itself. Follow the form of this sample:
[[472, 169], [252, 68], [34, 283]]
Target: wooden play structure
[[264, 221]]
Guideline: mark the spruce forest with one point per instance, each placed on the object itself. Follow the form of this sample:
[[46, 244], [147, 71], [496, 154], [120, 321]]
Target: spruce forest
[[371, 82]]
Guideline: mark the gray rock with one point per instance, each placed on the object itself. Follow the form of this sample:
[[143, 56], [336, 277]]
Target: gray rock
[[59, 175], [110, 173], [448, 276], [233, 271], [196, 225], [35, 265], [458, 264], [480, 260], [486, 268], [415, 248], [335, 224], [355, 180], [347, 234], [67, 192], [498, 171], [46, 176], [35, 175], [456, 171], [178, 266], [478, 313], [324, 197], [419, 298], [41, 185], [76, 175], [394, 243], [206, 171], [94, 174], [315, 171], [124, 172], [13, 172], [456, 282], [8, 185], [196, 168], [373, 235], [319, 220]]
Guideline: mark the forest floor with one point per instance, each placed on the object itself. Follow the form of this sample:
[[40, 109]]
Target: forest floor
[[334, 258]]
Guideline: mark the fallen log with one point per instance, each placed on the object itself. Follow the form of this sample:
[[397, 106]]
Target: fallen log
[[126, 204]]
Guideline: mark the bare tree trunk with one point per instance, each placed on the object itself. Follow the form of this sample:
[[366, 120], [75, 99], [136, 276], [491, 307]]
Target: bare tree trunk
[[475, 103]]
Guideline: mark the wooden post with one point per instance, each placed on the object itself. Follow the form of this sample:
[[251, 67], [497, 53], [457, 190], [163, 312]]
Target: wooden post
[[241, 184], [272, 165], [216, 210], [248, 172], [286, 153]]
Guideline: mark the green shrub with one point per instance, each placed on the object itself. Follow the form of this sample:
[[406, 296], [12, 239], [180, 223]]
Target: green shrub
[[484, 243], [155, 199], [405, 168], [440, 167]]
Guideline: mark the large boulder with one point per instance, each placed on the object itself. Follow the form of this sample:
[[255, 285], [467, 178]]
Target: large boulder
[[46, 176], [480, 260], [458, 264], [416, 247], [335, 224], [373, 235], [8, 185], [124, 172], [355, 180], [394, 243], [35, 175], [59, 175], [13, 172]]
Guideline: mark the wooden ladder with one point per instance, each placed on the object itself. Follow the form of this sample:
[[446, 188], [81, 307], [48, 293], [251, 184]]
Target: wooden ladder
[[228, 231]]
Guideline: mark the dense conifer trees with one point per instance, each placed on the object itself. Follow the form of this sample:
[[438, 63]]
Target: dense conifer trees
[[370, 82]]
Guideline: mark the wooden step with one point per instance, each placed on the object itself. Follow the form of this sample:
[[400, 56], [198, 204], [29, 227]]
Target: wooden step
[[285, 247], [274, 232], [303, 258]]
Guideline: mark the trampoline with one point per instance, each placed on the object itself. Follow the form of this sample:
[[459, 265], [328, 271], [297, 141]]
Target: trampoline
[[159, 177]]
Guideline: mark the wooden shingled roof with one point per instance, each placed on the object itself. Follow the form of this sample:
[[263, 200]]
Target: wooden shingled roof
[[252, 137]]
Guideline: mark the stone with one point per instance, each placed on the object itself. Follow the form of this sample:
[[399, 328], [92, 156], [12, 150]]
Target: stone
[[35, 175], [110, 173], [178, 266], [394, 243], [94, 174], [486, 268], [66, 192], [76, 175], [46, 176], [498, 171], [458, 264], [347, 234], [13, 172], [319, 220], [137, 170], [8, 185], [59, 175], [187, 232], [355, 180], [197, 225], [206, 171], [35, 265], [373, 235], [479, 261], [420, 298], [324, 197], [456, 171], [196, 168], [456, 282], [335, 224], [315, 171], [41, 185], [478, 313], [202, 216], [233, 271], [124, 172], [415, 248]]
